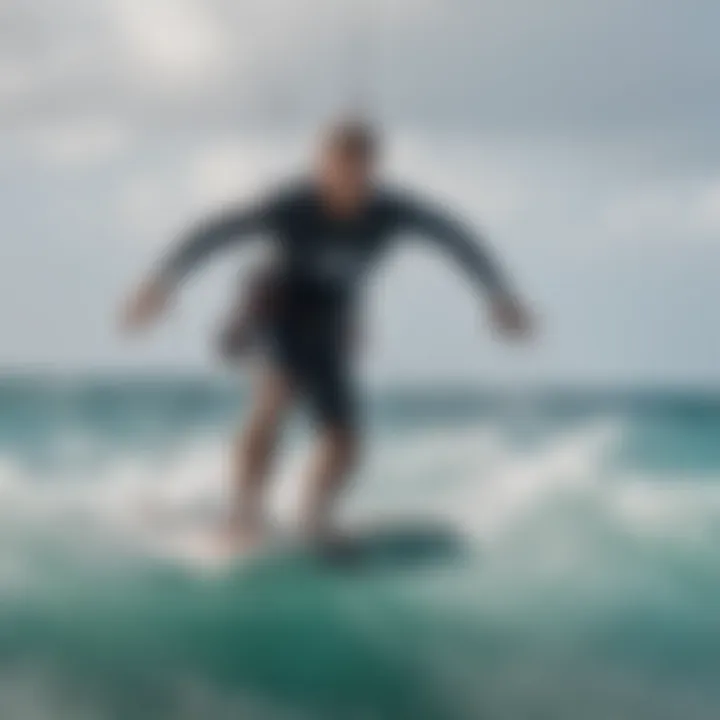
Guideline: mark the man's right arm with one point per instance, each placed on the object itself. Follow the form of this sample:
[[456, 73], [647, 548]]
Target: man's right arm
[[207, 239], [200, 244]]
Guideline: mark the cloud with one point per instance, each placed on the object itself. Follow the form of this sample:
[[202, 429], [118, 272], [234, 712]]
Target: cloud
[[581, 135], [13, 80], [226, 169], [666, 211], [633, 73], [708, 209], [79, 142], [171, 43]]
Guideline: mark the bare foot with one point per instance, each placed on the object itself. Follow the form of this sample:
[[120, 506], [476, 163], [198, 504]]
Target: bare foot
[[241, 537]]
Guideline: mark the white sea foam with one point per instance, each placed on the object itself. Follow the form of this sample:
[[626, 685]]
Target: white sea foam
[[566, 491]]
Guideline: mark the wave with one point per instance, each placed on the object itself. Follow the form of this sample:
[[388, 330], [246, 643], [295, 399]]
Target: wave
[[584, 578], [477, 478]]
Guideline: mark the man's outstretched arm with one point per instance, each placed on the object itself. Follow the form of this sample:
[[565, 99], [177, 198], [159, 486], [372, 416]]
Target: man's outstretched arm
[[472, 256], [153, 296]]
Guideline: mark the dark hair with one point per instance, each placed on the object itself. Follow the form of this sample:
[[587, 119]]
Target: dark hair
[[355, 138]]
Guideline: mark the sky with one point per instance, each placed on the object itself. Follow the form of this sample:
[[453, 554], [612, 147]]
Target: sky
[[581, 136]]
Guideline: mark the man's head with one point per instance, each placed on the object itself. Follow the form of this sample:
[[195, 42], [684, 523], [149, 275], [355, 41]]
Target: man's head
[[348, 158]]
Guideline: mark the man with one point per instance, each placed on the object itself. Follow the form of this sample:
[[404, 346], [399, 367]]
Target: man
[[330, 230]]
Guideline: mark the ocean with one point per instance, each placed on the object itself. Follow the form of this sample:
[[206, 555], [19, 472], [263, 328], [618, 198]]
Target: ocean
[[547, 555]]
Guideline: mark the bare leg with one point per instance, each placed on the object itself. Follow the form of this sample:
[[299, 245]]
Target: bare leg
[[335, 458], [253, 453]]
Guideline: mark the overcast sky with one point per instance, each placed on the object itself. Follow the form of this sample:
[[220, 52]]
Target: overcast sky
[[580, 134]]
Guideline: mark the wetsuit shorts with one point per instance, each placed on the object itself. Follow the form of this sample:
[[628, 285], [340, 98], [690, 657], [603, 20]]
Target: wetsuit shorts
[[312, 352]]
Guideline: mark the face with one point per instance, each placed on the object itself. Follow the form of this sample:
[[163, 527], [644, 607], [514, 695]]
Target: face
[[346, 176]]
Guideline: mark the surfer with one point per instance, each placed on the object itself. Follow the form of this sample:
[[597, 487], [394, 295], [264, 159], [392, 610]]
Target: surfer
[[329, 228]]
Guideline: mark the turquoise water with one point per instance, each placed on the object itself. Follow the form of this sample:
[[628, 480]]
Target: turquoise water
[[583, 580]]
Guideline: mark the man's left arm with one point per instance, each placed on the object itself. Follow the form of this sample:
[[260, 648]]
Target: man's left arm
[[470, 253]]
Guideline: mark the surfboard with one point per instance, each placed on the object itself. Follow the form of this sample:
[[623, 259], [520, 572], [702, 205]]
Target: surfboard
[[399, 545]]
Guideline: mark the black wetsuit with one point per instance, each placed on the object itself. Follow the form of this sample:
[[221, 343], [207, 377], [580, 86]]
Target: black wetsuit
[[322, 263]]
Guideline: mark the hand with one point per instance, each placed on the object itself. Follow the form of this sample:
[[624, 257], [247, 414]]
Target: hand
[[145, 306], [510, 318]]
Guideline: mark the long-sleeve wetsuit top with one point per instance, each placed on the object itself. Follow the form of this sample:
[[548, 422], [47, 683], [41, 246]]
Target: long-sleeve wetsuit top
[[321, 264], [323, 260]]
